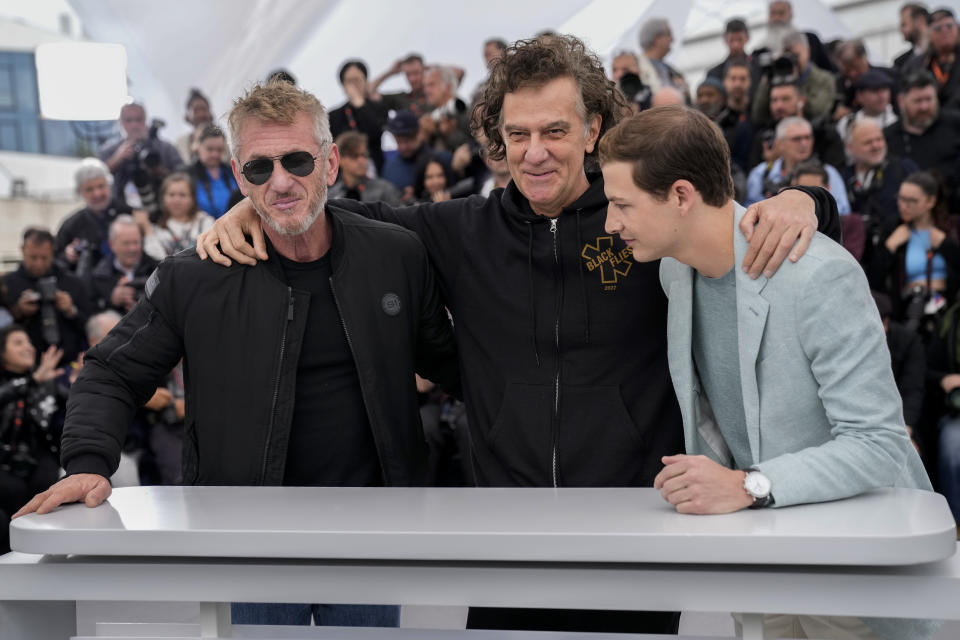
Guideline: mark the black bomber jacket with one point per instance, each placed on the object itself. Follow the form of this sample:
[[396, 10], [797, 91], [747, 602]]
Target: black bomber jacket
[[234, 327]]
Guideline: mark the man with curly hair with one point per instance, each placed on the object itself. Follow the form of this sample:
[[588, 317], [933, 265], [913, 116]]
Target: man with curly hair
[[561, 335]]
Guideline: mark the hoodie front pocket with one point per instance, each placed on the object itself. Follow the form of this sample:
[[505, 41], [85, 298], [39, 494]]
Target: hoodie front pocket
[[521, 437], [599, 443]]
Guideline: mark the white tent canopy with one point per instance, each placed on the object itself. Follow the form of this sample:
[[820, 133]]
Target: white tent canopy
[[222, 46]]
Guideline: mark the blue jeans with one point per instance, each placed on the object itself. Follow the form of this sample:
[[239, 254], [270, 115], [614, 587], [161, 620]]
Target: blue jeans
[[325, 615], [949, 463]]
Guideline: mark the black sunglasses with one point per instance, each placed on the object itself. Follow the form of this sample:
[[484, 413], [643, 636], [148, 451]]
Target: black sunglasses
[[299, 163]]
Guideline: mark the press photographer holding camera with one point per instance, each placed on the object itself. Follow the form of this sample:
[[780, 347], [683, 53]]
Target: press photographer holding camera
[[140, 160], [31, 420], [50, 303], [82, 238], [117, 281], [819, 87]]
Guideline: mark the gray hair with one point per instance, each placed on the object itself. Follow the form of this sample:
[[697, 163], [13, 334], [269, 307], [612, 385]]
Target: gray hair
[[447, 75], [859, 123], [793, 37], [122, 220], [91, 169], [651, 29], [791, 121], [97, 326]]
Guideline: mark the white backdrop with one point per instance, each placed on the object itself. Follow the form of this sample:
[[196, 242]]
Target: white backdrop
[[222, 46]]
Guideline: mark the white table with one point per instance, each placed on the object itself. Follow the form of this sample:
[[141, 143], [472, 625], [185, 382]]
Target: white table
[[888, 553]]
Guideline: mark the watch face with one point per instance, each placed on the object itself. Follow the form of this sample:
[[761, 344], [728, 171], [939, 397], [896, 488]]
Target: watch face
[[757, 484]]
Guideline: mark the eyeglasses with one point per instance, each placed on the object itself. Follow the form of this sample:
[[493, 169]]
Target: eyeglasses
[[299, 163]]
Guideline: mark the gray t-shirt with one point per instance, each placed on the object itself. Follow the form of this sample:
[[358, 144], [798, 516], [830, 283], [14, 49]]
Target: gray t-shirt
[[716, 354]]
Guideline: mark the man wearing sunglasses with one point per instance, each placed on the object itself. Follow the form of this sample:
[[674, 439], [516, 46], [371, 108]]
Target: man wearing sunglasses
[[298, 371]]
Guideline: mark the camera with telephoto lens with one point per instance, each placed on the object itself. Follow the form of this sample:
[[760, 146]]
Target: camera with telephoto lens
[[779, 71], [448, 110], [84, 250], [47, 288], [922, 309], [148, 170], [635, 90]]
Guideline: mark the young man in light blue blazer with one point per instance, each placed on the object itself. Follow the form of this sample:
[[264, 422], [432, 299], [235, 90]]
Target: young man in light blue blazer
[[784, 384]]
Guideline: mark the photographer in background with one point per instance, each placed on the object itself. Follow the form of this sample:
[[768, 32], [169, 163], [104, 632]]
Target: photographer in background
[[197, 115], [31, 403], [359, 113], [819, 87], [447, 127], [638, 94], [82, 238], [140, 160], [117, 281], [49, 303]]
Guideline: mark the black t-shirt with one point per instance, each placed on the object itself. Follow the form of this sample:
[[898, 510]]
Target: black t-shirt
[[331, 443]]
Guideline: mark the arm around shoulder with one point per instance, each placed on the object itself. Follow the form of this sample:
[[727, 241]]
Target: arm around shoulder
[[436, 353]]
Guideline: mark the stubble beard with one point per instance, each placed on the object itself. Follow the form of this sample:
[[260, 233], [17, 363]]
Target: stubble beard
[[316, 206]]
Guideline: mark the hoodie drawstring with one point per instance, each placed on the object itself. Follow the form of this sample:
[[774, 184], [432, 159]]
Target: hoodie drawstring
[[583, 284], [533, 306]]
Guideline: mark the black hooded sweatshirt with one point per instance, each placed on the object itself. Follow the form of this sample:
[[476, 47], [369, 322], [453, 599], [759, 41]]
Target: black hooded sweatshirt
[[561, 335]]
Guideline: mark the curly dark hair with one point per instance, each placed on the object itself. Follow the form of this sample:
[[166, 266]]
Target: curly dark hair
[[533, 63]]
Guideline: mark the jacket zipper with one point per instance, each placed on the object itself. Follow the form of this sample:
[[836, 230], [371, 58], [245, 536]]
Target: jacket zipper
[[276, 387], [556, 377], [367, 405]]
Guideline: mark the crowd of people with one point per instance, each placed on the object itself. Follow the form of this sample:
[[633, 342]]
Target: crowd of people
[[794, 112]]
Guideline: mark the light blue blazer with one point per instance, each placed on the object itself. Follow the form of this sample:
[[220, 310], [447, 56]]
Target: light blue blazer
[[823, 414]]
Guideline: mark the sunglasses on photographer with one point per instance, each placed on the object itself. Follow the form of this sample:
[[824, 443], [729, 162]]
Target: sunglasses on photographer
[[298, 163]]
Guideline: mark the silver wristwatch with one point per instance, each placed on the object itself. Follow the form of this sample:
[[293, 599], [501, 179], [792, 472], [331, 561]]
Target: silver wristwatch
[[758, 486]]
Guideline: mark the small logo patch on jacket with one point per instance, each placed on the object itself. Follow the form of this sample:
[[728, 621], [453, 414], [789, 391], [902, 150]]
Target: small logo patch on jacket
[[390, 304], [611, 262]]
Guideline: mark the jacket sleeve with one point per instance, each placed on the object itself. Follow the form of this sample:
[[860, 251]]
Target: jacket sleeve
[[950, 251], [436, 354], [827, 214], [439, 226], [119, 375], [850, 361]]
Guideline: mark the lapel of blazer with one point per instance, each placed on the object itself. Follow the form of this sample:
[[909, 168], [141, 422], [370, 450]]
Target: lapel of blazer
[[679, 346], [752, 311]]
